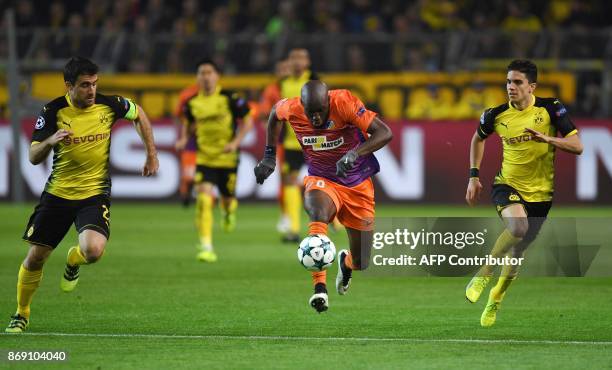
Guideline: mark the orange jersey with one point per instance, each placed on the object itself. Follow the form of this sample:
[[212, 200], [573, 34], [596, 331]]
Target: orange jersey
[[185, 95], [345, 129], [270, 96]]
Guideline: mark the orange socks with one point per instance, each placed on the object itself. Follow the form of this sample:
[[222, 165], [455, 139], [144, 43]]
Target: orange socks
[[318, 228], [348, 261], [319, 277]]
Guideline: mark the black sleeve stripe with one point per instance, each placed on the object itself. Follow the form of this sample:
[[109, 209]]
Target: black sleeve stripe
[[46, 122], [116, 103], [487, 120], [483, 135], [238, 106], [558, 114], [187, 111]]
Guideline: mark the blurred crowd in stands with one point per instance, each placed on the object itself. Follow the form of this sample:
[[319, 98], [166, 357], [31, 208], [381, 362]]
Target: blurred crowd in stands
[[248, 35], [272, 17], [168, 36]]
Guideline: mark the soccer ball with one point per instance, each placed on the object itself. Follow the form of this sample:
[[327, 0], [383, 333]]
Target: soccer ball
[[316, 252]]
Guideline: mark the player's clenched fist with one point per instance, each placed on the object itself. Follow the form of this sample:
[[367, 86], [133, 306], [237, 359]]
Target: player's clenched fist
[[266, 166], [346, 163]]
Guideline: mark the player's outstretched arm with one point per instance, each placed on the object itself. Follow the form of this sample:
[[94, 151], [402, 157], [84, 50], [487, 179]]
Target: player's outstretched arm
[[143, 127], [571, 144], [380, 135], [472, 195], [266, 166], [40, 151]]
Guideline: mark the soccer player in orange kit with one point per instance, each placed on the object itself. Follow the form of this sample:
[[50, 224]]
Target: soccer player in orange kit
[[338, 136]]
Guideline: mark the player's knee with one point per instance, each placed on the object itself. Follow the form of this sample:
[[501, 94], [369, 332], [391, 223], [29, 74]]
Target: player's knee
[[94, 251], [34, 262], [35, 259], [319, 214], [518, 227]]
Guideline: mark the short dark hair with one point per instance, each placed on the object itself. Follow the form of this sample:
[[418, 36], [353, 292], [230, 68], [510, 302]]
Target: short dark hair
[[525, 66], [207, 61], [77, 66]]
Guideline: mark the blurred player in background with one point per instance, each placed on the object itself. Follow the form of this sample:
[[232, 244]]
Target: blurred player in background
[[272, 93], [77, 127], [270, 96], [220, 120], [290, 222], [186, 145], [338, 136], [523, 189]]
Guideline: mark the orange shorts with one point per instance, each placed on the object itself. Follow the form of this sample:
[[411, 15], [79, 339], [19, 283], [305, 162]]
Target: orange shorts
[[188, 164], [354, 206]]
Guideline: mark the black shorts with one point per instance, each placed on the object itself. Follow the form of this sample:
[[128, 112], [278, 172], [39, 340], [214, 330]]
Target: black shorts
[[294, 160], [504, 196], [223, 178], [53, 216]]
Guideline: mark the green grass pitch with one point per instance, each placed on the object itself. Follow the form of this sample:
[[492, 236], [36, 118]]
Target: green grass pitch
[[149, 304]]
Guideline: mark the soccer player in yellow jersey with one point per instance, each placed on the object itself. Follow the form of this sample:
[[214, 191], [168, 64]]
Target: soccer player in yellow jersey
[[77, 128], [220, 120], [290, 223], [529, 127]]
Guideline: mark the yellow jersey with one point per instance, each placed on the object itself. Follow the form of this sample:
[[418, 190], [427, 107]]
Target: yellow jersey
[[527, 165], [215, 119], [80, 161]]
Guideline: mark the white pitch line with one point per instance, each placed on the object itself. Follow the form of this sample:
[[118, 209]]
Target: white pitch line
[[346, 339]]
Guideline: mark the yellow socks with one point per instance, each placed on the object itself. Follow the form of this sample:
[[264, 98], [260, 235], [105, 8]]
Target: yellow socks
[[205, 221], [292, 199], [75, 257], [231, 208], [499, 290], [506, 277], [27, 283], [504, 242]]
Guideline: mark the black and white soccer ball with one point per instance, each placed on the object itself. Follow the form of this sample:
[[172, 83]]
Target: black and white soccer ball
[[316, 252]]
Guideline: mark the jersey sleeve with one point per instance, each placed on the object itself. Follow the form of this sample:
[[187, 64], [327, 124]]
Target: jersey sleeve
[[187, 113], [560, 119], [46, 124], [239, 106], [282, 109], [123, 107], [355, 112], [486, 126], [179, 109]]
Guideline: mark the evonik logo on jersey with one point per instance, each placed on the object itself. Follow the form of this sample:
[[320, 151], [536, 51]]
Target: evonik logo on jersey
[[69, 140], [321, 143]]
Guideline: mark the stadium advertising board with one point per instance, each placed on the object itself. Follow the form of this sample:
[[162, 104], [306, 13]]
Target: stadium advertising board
[[425, 162]]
